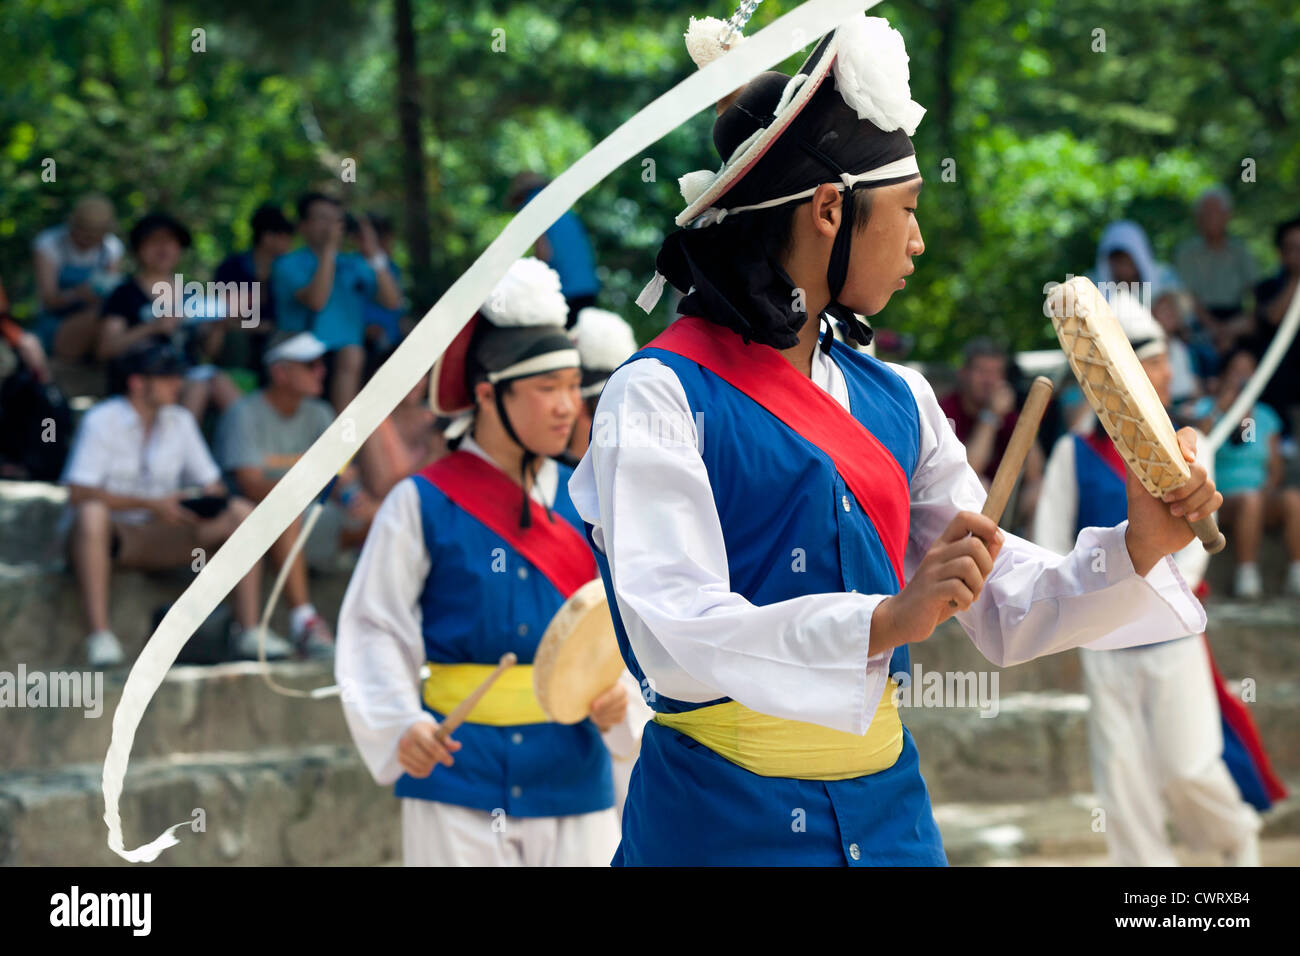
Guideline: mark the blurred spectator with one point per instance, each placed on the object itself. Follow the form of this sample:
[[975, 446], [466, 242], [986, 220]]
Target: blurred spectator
[[34, 415], [405, 442], [76, 265], [321, 290], [1124, 256], [1218, 271], [383, 325], [1248, 468], [1272, 296], [564, 247], [1170, 309], [258, 440], [145, 493], [129, 317], [983, 413], [241, 347]]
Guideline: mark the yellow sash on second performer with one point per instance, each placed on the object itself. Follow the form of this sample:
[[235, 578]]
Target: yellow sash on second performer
[[509, 701], [774, 747]]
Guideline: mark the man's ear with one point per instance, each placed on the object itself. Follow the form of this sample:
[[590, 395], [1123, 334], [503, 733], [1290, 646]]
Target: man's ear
[[483, 393], [827, 208]]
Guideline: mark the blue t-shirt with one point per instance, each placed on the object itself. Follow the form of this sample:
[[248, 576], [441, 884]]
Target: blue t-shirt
[[387, 319], [343, 320], [571, 255], [1243, 466]]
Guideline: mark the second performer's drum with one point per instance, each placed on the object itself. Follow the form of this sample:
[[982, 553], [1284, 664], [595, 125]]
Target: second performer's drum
[[578, 657]]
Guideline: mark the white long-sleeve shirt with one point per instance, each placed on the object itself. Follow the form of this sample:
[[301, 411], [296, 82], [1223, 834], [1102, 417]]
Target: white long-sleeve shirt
[[644, 488], [380, 642], [1058, 509]]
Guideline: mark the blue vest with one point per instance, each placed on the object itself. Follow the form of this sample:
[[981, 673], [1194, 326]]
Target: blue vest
[[1103, 503], [481, 599], [791, 527]]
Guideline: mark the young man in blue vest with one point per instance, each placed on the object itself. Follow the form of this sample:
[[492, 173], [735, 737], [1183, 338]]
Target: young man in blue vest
[[1155, 736], [776, 515], [465, 561]]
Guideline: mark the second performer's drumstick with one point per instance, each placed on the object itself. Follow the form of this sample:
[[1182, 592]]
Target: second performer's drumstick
[[461, 710], [1013, 460]]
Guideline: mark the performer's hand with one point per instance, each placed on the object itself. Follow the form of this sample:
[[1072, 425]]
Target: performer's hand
[[610, 707], [953, 570], [419, 750], [1158, 527]]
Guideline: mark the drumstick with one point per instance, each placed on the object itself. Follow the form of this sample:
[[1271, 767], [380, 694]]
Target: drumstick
[[461, 710], [1013, 460], [1022, 438]]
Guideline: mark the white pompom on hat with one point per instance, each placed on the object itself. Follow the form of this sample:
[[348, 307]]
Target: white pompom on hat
[[605, 341], [528, 294]]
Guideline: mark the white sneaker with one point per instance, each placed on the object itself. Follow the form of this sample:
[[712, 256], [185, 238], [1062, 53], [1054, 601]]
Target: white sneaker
[[1248, 584], [1292, 586], [244, 645], [103, 650], [314, 640]]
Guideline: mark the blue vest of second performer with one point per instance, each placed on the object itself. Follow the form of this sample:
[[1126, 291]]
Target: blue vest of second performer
[[792, 527], [482, 599]]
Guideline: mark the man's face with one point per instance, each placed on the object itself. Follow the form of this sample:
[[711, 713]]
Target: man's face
[[1212, 218], [160, 390], [543, 408], [278, 243], [882, 253], [304, 379], [981, 377], [159, 252], [323, 222], [85, 236], [1290, 251], [1122, 267], [1161, 374]]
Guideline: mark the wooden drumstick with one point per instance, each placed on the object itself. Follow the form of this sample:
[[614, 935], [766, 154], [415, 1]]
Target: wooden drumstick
[[461, 710], [1022, 439]]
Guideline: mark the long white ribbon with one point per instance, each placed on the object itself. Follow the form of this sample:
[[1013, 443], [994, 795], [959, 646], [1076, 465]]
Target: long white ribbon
[[413, 359], [1245, 401]]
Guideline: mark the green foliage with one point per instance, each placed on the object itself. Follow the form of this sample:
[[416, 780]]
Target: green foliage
[[1048, 139]]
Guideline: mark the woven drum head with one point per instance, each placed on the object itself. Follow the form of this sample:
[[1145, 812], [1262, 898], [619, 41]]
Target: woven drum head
[[1116, 385], [578, 657]]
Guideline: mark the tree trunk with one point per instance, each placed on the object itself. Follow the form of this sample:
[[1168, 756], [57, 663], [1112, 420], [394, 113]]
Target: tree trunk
[[410, 120]]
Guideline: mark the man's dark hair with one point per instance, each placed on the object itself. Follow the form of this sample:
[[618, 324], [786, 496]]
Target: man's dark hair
[[305, 201], [1280, 235], [981, 348], [382, 224], [775, 227], [269, 219]]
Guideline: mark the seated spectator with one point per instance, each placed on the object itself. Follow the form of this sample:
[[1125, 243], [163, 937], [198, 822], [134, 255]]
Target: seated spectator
[[321, 290], [1219, 271], [1170, 310], [76, 265], [260, 437], [242, 345], [1248, 470], [1125, 259], [33, 411], [128, 314], [145, 493], [983, 413], [405, 442], [1272, 297], [564, 247]]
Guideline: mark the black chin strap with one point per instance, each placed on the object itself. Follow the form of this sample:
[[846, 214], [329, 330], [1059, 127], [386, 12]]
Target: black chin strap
[[525, 512]]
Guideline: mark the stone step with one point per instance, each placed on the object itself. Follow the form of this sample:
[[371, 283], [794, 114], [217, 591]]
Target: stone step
[[1258, 639], [1059, 830], [300, 806], [1037, 744], [225, 707], [41, 621]]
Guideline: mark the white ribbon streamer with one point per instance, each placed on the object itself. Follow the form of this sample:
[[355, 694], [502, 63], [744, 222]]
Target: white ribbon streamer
[[1231, 419], [412, 361]]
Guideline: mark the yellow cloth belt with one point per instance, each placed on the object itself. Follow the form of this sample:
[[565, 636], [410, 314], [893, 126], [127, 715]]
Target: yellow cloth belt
[[509, 701], [774, 747]]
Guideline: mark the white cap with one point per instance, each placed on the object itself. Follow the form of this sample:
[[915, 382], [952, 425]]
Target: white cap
[[303, 347]]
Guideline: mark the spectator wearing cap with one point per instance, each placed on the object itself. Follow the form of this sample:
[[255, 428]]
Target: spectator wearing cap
[[258, 440], [321, 290], [128, 315], [983, 413], [144, 493], [1218, 270], [76, 265], [250, 272]]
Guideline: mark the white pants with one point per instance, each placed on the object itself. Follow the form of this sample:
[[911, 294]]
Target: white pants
[[1156, 742], [442, 834]]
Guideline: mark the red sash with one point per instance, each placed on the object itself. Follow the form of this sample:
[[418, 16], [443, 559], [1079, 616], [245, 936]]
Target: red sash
[[553, 545], [762, 373], [1100, 442]]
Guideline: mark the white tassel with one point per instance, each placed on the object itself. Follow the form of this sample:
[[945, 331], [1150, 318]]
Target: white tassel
[[694, 184], [704, 40], [871, 74], [649, 296]]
